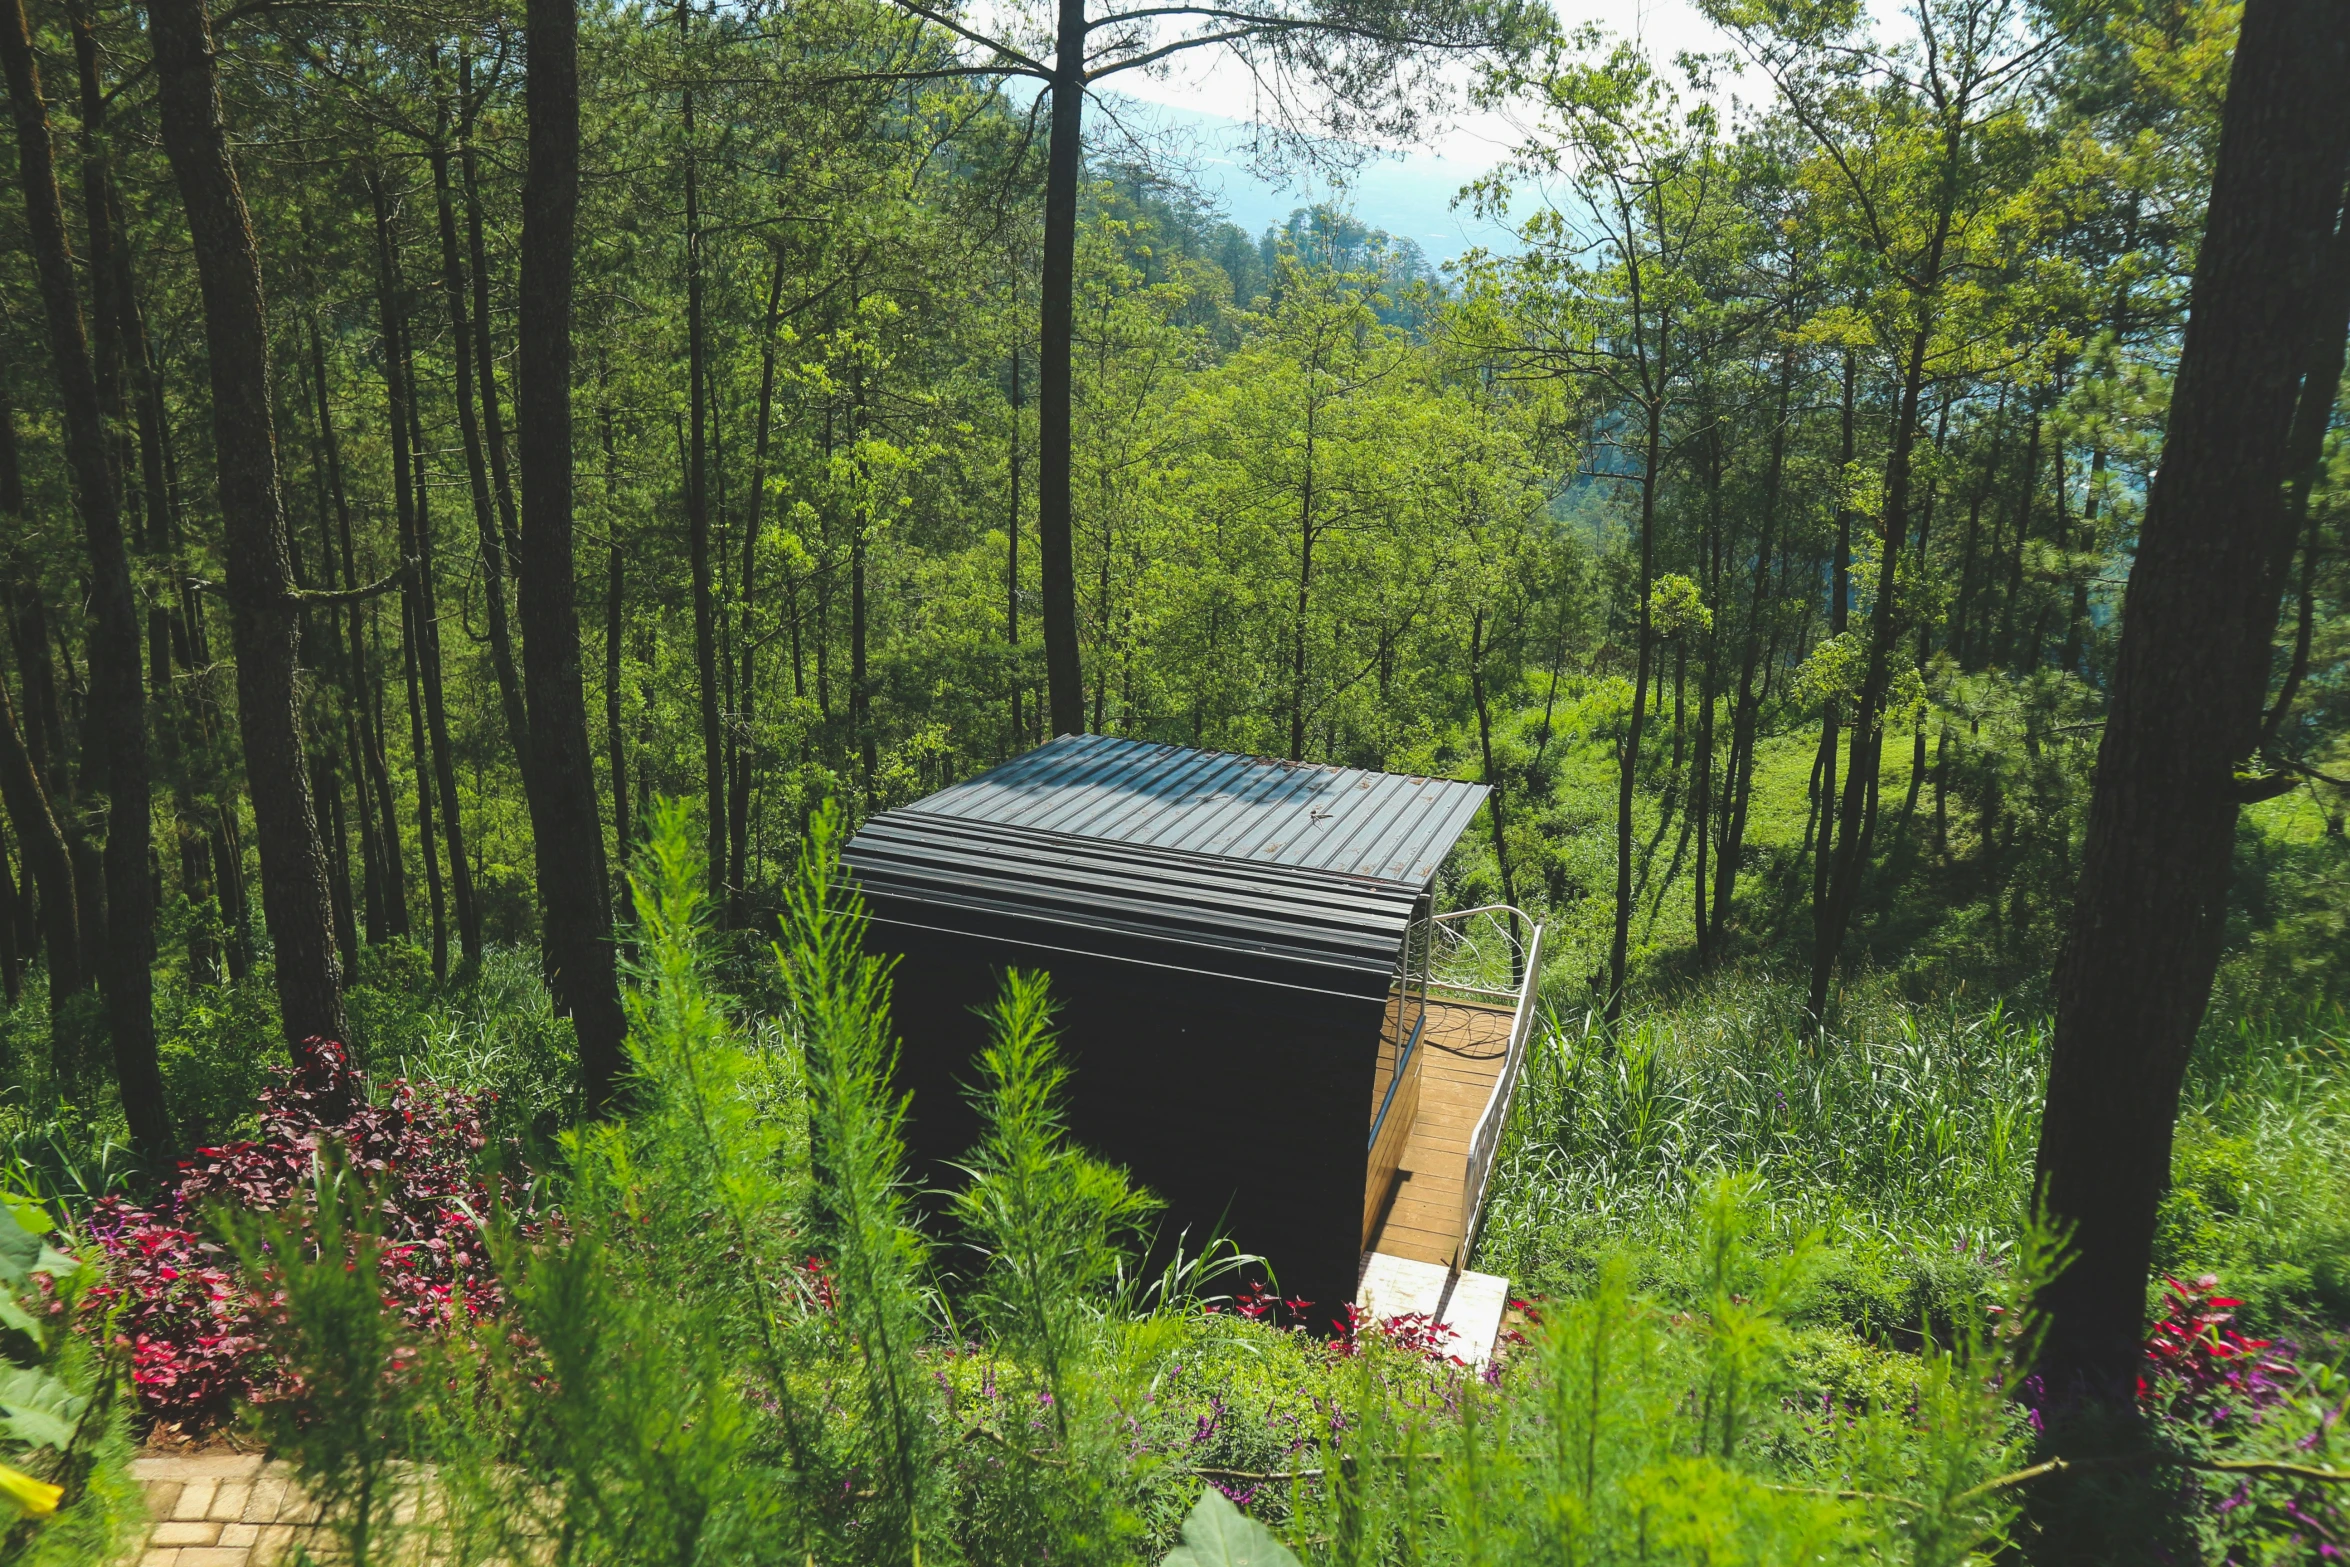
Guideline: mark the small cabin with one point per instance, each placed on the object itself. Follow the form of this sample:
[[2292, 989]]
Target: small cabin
[[1266, 1019]]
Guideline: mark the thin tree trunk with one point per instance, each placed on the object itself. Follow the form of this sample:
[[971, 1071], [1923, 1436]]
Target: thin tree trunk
[[2305, 459], [2189, 682], [328, 787], [379, 848], [2015, 562], [697, 513], [1839, 620], [1745, 710], [420, 757], [1055, 544], [1012, 558], [568, 841], [436, 707], [48, 865], [117, 716], [264, 618], [738, 805], [493, 422], [1857, 814], [1495, 802], [485, 521], [1628, 756]]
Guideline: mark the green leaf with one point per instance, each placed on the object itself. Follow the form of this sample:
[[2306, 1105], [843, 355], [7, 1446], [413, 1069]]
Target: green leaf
[[1218, 1534], [37, 1408], [13, 1315], [20, 1248]]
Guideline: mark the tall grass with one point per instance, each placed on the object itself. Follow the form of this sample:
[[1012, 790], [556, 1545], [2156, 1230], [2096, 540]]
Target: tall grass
[[1908, 1122]]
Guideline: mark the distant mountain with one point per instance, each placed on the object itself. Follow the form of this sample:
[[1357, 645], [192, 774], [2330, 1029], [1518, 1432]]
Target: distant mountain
[[1410, 196]]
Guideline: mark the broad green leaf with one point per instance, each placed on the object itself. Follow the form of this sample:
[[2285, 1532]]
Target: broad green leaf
[[37, 1408], [20, 1248], [13, 1315], [1218, 1534]]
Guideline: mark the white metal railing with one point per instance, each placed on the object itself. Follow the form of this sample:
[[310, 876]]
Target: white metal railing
[[1492, 956]]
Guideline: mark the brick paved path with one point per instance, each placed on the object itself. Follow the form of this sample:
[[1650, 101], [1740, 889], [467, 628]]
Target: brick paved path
[[234, 1510]]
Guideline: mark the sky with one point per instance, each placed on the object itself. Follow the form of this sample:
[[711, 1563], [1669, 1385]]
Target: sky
[[1197, 118]]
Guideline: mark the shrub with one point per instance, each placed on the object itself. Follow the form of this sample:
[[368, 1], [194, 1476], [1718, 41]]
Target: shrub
[[66, 1492], [195, 1332]]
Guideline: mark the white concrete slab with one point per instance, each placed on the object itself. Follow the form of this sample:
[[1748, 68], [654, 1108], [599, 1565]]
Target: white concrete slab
[[1398, 1286], [1469, 1304]]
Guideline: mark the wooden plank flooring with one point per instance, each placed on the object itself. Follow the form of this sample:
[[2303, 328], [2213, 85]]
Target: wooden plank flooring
[[1462, 1050]]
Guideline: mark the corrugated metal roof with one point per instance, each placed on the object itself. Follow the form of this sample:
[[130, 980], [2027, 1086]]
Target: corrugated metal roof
[[1286, 924], [1387, 826]]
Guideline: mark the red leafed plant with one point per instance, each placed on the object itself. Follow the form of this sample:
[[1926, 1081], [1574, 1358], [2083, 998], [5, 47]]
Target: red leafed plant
[[2200, 1368], [196, 1332]]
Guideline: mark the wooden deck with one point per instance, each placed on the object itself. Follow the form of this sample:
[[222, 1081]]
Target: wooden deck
[[1462, 1050]]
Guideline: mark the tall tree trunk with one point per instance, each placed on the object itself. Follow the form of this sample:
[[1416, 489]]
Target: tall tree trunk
[[697, 510], [738, 805], [2305, 460], [1495, 803], [1012, 558], [2189, 682], [1619, 952], [568, 841], [117, 704], [329, 788], [493, 422], [477, 473], [1745, 709], [48, 866], [1856, 814], [1055, 542], [351, 659], [264, 620], [1298, 611], [2013, 600], [436, 705], [378, 806], [420, 757], [1824, 768], [615, 727]]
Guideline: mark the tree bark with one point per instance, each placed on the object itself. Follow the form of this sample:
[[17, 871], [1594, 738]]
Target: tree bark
[[1494, 802], [47, 864], [264, 618], [1619, 952], [48, 867], [738, 805], [1856, 815], [420, 756], [493, 423], [1745, 709], [2190, 677], [568, 841], [429, 671], [1055, 546], [697, 512], [477, 473], [615, 726], [117, 704], [1012, 559]]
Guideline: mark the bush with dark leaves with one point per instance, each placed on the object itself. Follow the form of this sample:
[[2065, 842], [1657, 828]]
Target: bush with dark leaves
[[197, 1332]]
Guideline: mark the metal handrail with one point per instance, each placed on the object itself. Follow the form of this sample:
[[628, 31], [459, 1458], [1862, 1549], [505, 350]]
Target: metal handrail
[[1459, 925], [1485, 1141]]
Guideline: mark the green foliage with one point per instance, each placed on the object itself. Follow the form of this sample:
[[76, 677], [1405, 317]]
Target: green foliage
[[1217, 1534], [358, 1373], [66, 1491]]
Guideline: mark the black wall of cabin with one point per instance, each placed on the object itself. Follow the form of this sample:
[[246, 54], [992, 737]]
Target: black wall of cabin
[[1243, 1105]]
